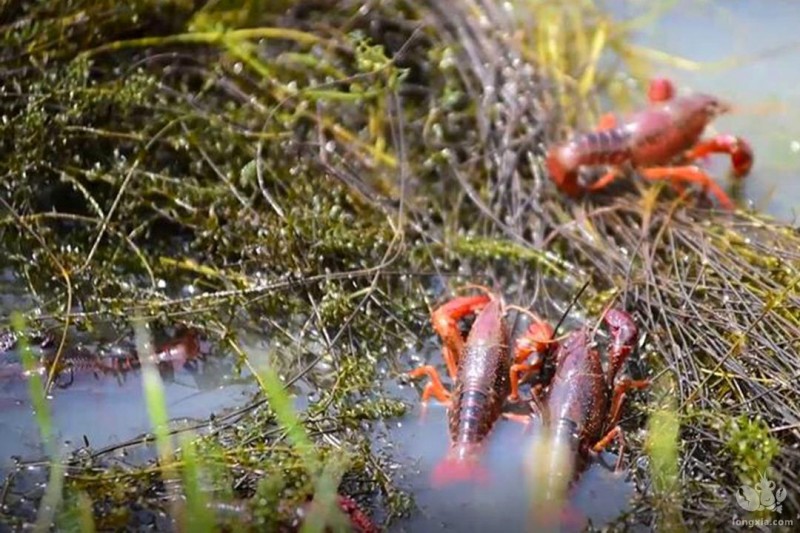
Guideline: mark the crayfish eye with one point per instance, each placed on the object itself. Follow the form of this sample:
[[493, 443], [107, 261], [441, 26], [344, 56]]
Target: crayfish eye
[[716, 107]]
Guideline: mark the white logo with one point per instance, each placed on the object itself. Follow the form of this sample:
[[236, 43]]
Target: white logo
[[763, 496]]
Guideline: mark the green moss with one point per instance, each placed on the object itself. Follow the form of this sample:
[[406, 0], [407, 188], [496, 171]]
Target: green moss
[[497, 249], [752, 447]]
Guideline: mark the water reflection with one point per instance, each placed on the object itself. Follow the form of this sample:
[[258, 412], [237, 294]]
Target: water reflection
[[104, 408]]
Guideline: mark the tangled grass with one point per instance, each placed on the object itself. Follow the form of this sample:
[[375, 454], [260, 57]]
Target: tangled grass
[[315, 170]]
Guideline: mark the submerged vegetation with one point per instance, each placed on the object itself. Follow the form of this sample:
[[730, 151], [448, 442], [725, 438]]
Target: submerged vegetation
[[322, 172]]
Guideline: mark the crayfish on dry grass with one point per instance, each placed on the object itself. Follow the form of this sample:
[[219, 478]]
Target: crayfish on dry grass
[[659, 143]]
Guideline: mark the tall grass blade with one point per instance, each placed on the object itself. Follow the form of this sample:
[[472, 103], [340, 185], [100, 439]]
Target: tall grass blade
[[198, 516], [156, 404], [85, 513], [36, 389], [325, 511], [153, 387], [662, 446]]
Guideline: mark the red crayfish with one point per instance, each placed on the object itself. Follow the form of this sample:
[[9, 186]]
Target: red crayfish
[[481, 370], [666, 133], [581, 404], [118, 361]]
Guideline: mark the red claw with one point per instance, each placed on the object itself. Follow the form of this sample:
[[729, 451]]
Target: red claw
[[445, 323], [623, 336], [739, 150], [180, 350], [538, 339], [742, 156], [561, 172], [358, 518]]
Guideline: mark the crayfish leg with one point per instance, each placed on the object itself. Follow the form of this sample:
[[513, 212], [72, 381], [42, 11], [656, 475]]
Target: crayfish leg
[[537, 339], [621, 388], [537, 403], [660, 90], [607, 121], [517, 374], [615, 433], [605, 180], [520, 372], [434, 387], [689, 174], [525, 420]]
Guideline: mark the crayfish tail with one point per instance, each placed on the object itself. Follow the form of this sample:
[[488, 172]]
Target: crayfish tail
[[453, 470], [565, 176]]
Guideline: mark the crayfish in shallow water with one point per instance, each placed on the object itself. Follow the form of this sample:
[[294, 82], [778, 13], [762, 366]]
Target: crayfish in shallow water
[[481, 370], [118, 360], [650, 141], [581, 405]]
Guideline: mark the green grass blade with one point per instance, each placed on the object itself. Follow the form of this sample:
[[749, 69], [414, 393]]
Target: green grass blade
[[281, 403], [325, 511], [85, 513], [155, 400], [156, 404], [198, 516], [662, 445], [35, 386], [51, 499], [55, 484]]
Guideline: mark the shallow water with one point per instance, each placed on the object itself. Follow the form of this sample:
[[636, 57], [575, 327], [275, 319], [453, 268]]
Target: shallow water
[[764, 84], [503, 501], [105, 410]]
